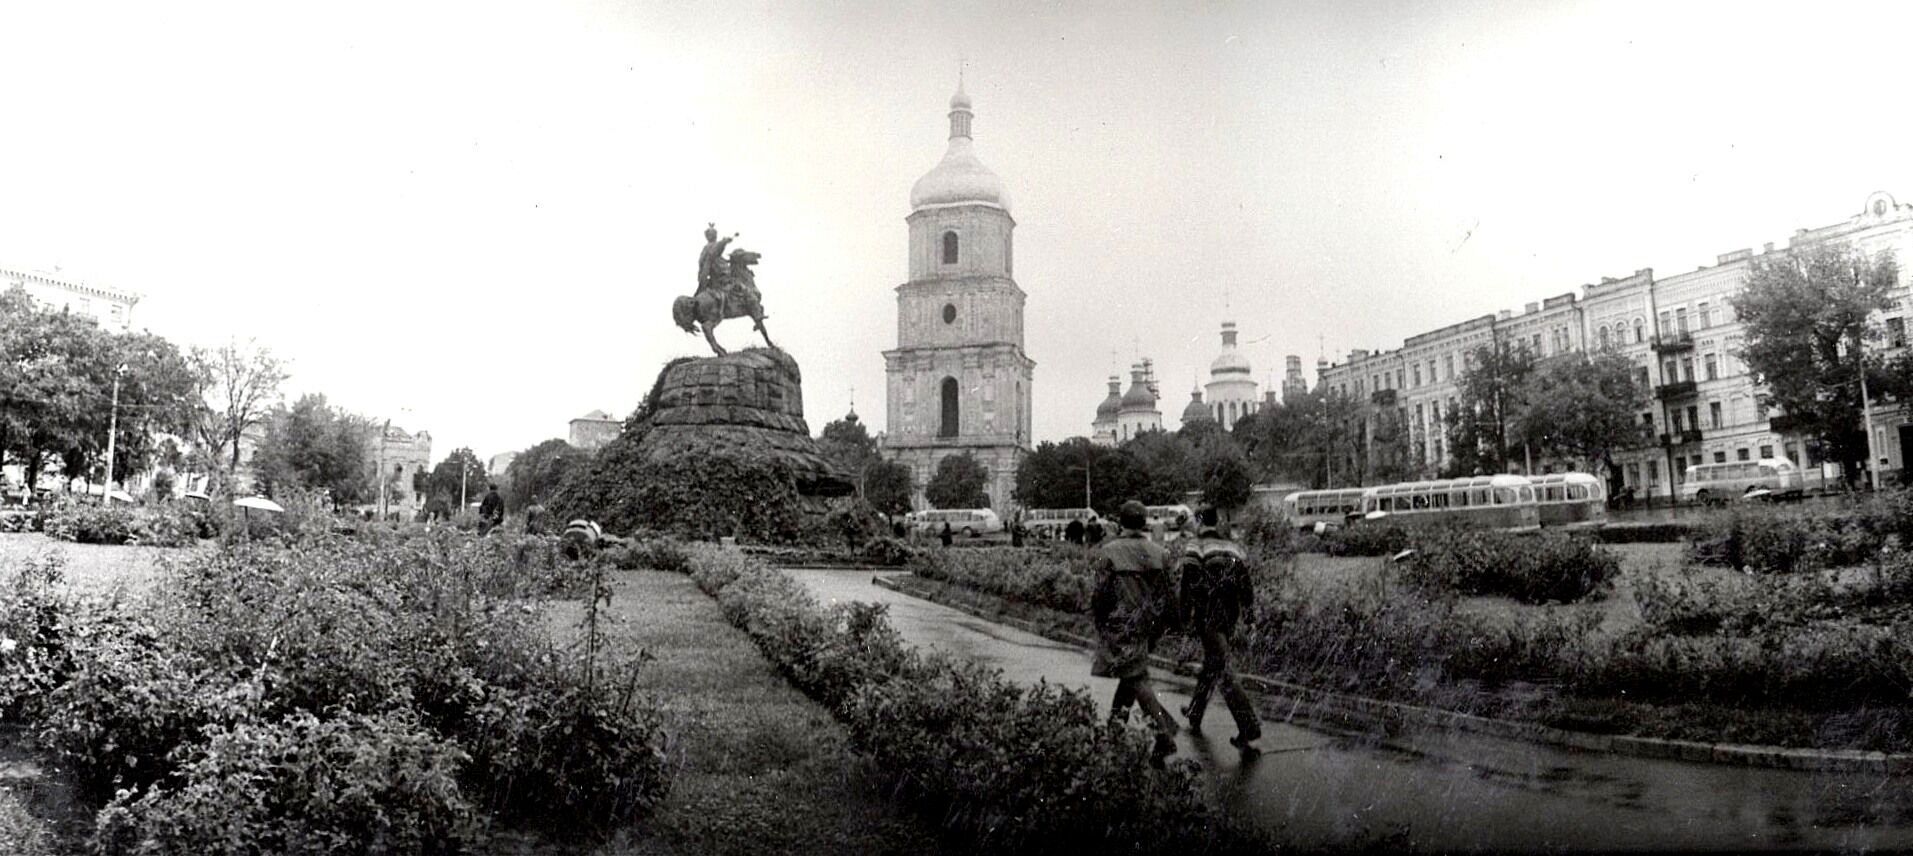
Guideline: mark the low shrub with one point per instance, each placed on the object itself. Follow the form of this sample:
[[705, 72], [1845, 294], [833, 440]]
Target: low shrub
[[1529, 567], [166, 525], [353, 783], [1011, 768], [1781, 540], [1366, 538], [1039, 577], [399, 660]]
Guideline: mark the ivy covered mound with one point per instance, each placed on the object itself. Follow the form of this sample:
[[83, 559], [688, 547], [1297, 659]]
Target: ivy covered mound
[[719, 447]]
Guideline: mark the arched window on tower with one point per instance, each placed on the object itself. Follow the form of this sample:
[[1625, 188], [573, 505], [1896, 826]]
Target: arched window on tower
[[949, 248], [948, 428]]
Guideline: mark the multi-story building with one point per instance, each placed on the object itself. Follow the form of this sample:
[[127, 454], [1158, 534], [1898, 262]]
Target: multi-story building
[[1294, 385], [1682, 336], [958, 382], [112, 307]]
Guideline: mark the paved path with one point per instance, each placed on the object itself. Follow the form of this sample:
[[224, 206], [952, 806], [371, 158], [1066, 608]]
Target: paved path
[[1447, 790]]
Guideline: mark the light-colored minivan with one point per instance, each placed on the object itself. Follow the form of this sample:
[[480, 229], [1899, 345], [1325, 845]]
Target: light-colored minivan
[[968, 522], [1706, 483]]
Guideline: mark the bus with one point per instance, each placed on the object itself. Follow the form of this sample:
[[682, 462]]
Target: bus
[[1570, 500], [968, 522], [1503, 502], [1172, 518], [1050, 523], [1317, 509], [1710, 483]]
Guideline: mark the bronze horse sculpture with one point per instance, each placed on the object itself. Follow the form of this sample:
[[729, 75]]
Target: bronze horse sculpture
[[733, 295]]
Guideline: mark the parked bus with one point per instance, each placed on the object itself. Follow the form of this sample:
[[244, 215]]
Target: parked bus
[[1049, 523], [1500, 502], [1309, 509], [1570, 500], [1172, 518], [968, 522], [1707, 483]]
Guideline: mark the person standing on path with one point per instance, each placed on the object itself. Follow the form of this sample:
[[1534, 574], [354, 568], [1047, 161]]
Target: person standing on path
[[1134, 602], [945, 535], [491, 512], [1216, 591]]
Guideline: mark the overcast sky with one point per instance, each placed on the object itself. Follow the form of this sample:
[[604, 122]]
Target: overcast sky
[[472, 217]]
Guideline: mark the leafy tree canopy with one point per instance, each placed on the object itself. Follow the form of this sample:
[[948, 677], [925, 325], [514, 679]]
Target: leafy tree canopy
[[888, 486], [534, 476], [1584, 407], [317, 446], [959, 482]]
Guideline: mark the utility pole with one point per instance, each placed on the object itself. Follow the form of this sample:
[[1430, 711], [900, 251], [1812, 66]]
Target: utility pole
[[112, 434], [1866, 414], [382, 432], [464, 469]]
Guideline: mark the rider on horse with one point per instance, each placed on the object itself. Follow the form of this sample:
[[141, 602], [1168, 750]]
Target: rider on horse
[[712, 271]]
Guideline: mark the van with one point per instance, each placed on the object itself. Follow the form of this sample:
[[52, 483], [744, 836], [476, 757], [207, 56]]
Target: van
[[968, 522], [1172, 518], [1708, 483]]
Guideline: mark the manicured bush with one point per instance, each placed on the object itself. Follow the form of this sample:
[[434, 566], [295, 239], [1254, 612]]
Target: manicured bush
[[707, 494], [1779, 539], [1038, 577], [167, 525], [1529, 567], [1367, 538]]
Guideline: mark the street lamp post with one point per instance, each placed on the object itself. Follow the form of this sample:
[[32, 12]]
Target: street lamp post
[[112, 434]]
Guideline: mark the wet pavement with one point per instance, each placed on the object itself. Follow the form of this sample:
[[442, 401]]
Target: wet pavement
[[1448, 791]]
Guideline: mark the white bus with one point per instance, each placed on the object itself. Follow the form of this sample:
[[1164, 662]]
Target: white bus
[[1050, 523], [968, 522], [1576, 500], [1501, 502], [1708, 483], [1308, 509]]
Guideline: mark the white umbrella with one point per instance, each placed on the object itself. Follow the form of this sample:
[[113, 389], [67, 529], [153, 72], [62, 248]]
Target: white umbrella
[[120, 495], [259, 502]]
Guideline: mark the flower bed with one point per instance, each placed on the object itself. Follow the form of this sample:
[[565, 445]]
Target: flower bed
[[390, 693], [1007, 767]]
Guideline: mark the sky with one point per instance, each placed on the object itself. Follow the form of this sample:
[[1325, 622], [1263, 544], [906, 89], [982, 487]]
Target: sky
[[471, 217]]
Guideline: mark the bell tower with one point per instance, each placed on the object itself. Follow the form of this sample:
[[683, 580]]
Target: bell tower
[[958, 380]]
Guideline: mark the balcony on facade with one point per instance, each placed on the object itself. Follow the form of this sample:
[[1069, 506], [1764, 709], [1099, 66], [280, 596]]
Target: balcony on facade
[[1677, 390], [1667, 343], [1383, 398], [1783, 423], [1690, 435]]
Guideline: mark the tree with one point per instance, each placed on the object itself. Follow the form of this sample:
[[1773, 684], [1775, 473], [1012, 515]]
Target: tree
[[888, 486], [1170, 464], [535, 474], [1052, 476], [236, 386], [1584, 408], [1804, 313], [846, 443], [1392, 455], [959, 482], [458, 480], [1482, 427], [316, 446], [1227, 481]]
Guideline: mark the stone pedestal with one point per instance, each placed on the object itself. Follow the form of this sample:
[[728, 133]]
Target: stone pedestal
[[749, 401]]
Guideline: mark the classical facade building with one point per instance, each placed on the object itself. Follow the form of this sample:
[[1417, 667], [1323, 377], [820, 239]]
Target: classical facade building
[[1682, 336], [1231, 389], [958, 382], [594, 429], [111, 307]]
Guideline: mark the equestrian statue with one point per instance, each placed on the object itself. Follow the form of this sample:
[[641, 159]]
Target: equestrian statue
[[725, 289]]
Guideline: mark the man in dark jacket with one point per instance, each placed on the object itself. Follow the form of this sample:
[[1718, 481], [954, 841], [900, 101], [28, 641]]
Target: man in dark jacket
[[1216, 590], [1133, 604], [491, 512]]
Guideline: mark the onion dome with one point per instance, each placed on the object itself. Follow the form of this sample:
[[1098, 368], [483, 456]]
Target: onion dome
[[1230, 361], [1114, 403], [960, 179], [1195, 411], [1138, 397]]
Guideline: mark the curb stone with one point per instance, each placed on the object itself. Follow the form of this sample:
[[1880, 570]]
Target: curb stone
[[1389, 716]]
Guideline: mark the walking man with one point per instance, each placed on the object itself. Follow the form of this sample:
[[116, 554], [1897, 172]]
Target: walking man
[[1133, 604], [1216, 590], [491, 512]]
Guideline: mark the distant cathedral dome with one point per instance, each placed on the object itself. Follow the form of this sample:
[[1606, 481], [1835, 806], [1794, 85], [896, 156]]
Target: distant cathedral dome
[[1138, 397], [960, 178], [1230, 361], [1113, 404], [1195, 411]]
